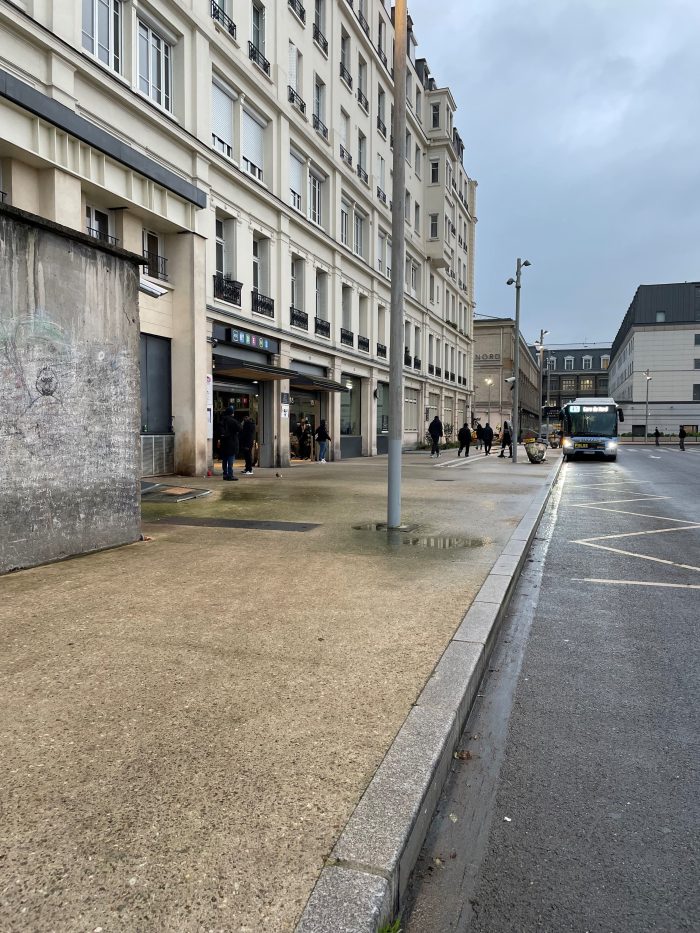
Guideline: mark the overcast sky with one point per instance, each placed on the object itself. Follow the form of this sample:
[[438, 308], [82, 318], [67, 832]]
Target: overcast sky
[[581, 122]]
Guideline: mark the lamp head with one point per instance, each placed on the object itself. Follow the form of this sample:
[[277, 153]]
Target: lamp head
[[526, 262], [510, 282]]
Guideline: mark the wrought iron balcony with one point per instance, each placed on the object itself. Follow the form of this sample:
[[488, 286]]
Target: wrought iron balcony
[[363, 343], [298, 318], [320, 40], [407, 358], [416, 362], [347, 337], [362, 99], [295, 99], [363, 22], [431, 369], [320, 127], [381, 195], [438, 372], [298, 9], [361, 173], [345, 75], [345, 155], [255, 55], [321, 327], [227, 289], [98, 234], [381, 126], [261, 304], [381, 350], [220, 15], [156, 266]]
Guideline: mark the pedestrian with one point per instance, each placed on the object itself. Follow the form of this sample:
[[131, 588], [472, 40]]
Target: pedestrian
[[322, 436], [487, 437], [247, 441], [305, 437], [681, 437], [230, 431], [464, 436], [436, 432], [657, 435], [479, 436], [506, 440]]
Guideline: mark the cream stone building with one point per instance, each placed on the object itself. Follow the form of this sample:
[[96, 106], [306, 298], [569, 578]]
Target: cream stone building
[[494, 351], [245, 149]]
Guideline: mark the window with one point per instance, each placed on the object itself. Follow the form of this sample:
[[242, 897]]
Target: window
[[260, 264], [362, 79], [345, 51], [432, 297], [294, 76], [225, 246], [252, 134], [381, 249], [435, 115], [220, 247], [258, 26], [416, 216], [315, 197], [588, 362], [419, 101], [660, 317], [381, 37], [586, 384], [410, 410], [344, 223], [319, 99], [434, 171], [568, 362], [297, 282], [97, 223], [604, 362], [697, 340], [155, 67], [153, 252], [321, 295], [381, 172], [434, 219], [696, 392], [221, 120], [346, 307], [320, 16], [568, 385], [407, 206], [551, 362], [381, 109], [416, 161], [102, 31], [296, 180], [361, 150], [409, 146], [697, 363], [359, 234]]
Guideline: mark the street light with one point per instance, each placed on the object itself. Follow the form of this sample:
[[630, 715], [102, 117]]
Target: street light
[[489, 383], [516, 355], [646, 418], [539, 345]]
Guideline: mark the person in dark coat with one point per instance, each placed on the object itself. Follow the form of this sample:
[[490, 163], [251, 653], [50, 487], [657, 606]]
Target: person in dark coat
[[506, 440], [305, 437], [322, 437], [435, 431], [247, 441], [487, 437], [230, 431], [681, 437], [464, 436], [657, 435], [479, 436]]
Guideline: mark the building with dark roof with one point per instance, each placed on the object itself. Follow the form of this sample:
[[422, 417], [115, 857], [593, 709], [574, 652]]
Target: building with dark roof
[[574, 372]]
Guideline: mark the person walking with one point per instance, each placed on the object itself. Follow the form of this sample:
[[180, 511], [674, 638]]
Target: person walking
[[506, 440], [657, 435], [230, 431], [681, 437], [436, 432], [305, 437], [322, 436], [464, 436], [479, 436], [487, 438], [247, 441]]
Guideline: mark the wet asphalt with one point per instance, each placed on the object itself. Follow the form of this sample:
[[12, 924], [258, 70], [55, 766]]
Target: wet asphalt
[[573, 805]]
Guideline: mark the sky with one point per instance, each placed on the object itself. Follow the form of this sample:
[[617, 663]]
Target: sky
[[581, 124]]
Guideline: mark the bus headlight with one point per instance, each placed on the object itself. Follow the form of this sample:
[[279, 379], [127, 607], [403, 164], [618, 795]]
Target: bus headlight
[[611, 445], [567, 442]]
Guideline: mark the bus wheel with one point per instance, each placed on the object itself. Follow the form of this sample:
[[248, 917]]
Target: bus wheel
[[612, 458]]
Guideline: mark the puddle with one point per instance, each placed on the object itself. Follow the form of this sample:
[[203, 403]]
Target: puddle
[[436, 542]]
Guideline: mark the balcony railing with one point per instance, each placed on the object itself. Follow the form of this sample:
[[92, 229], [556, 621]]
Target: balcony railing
[[298, 318], [363, 343], [295, 99], [321, 327], [98, 234], [320, 127], [221, 16], [381, 126], [362, 99], [438, 372], [381, 195], [347, 337], [345, 155], [227, 289], [363, 22], [361, 173], [320, 40], [298, 9], [431, 369], [261, 304], [255, 55], [345, 75], [407, 358], [156, 266], [381, 350], [416, 362]]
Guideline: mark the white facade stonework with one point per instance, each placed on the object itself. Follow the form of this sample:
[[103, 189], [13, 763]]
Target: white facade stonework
[[246, 148]]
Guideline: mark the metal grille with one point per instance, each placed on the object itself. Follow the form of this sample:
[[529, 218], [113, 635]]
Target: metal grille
[[157, 454]]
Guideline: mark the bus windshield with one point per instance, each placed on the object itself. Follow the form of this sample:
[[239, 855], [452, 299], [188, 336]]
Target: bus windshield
[[592, 420]]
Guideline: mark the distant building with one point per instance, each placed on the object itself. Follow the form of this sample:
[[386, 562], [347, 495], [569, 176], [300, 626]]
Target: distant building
[[660, 333], [494, 347], [572, 372]]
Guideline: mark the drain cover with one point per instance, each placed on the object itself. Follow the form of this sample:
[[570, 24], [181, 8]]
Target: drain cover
[[253, 524]]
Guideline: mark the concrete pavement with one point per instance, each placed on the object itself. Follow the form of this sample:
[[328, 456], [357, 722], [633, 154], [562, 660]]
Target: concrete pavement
[[191, 721]]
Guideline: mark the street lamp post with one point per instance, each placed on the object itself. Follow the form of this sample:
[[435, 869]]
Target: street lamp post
[[516, 355], [489, 383], [646, 417], [540, 346]]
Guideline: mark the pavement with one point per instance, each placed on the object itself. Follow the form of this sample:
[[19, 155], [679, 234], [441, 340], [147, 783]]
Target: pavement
[[191, 721]]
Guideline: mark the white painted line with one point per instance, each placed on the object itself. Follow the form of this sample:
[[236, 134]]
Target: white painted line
[[633, 534], [659, 518], [679, 586], [622, 482], [590, 505], [656, 560]]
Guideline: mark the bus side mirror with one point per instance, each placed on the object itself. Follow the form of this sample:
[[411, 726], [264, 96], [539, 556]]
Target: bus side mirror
[[620, 414]]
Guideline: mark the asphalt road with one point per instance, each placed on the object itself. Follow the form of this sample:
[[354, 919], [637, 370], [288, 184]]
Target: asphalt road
[[574, 803]]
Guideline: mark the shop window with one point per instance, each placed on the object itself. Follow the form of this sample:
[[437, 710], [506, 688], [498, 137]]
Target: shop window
[[156, 398], [410, 410], [382, 408], [350, 406]]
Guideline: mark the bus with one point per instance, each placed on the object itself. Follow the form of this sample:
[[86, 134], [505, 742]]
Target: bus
[[589, 428]]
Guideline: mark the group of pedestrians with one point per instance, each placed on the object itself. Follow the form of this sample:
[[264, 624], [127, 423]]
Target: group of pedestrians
[[236, 437], [484, 438], [682, 434]]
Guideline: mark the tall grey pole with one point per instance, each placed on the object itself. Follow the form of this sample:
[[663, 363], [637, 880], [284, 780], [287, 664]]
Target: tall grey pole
[[541, 379], [547, 399], [489, 414], [646, 416], [398, 246], [516, 365]]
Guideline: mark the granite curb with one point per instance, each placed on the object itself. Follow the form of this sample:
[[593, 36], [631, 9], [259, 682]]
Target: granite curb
[[364, 880]]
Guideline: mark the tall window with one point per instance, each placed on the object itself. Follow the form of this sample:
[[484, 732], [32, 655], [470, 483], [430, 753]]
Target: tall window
[[407, 206], [381, 249], [359, 234], [296, 180], [381, 105], [416, 216], [260, 264], [225, 246], [434, 171], [320, 16], [434, 218], [381, 172], [222, 120], [345, 49], [258, 26], [297, 282], [321, 295], [344, 223], [319, 99], [252, 135], [315, 196], [381, 36], [435, 115], [155, 67], [417, 161], [604, 362], [294, 67], [362, 75], [102, 31], [568, 362], [588, 362], [97, 223], [361, 150]]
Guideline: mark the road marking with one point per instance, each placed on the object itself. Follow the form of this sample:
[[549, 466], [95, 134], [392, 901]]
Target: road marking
[[659, 518], [623, 482], [657, 560], [679, 586], [633, 534], [597, 502]]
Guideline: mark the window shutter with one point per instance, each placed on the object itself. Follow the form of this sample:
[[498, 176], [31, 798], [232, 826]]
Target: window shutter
[[296, 174], [252, 139], [293, 65], [222, 115]]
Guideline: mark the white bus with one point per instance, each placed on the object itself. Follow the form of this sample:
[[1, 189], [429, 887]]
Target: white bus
[[589, 428]]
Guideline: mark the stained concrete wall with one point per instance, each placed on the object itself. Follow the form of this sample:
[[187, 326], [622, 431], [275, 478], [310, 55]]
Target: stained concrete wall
[[69, 393]]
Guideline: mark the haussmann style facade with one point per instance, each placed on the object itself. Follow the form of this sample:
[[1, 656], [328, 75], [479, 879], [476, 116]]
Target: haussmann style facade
[[245, 150]]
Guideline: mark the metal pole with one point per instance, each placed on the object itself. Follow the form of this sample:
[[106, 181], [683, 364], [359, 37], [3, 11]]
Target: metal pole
[[646, 416], [547, 399], [489, 414], [541, 386], [398, 246], [516, 364]]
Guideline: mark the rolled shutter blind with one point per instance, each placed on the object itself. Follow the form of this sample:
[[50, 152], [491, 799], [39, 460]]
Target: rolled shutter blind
[[252, 139], [296, 174], [222, 115], [292, 65]]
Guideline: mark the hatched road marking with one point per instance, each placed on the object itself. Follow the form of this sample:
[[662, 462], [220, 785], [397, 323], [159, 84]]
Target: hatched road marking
[[678, 586]]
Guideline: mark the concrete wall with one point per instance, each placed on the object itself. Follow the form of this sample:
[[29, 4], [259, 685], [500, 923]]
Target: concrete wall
[[69, 394]]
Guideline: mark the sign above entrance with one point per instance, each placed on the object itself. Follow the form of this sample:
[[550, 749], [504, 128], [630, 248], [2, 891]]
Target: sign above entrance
[[245, 338]]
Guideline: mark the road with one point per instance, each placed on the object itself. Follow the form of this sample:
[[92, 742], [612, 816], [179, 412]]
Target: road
[[573, 805]]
